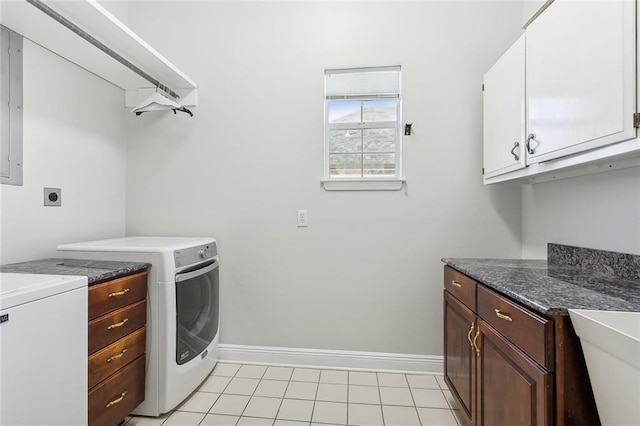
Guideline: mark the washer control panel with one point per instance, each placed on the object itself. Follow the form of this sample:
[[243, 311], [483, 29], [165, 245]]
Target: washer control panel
[[193, 255]]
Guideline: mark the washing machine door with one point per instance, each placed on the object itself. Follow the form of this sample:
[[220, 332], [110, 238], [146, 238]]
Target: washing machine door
[[197, 307]]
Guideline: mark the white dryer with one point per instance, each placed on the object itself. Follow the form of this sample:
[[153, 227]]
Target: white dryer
[[183, 310]]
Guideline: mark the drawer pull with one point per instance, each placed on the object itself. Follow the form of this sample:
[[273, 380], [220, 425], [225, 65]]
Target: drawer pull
[[469, 335], [475, 339], [118, 293], [456, 283], [118, 324], [120, 355], [117, 400], [502, 316]]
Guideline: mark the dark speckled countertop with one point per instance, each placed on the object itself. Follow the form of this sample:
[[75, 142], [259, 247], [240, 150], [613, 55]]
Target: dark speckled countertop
[[95, 270], [572, 278]]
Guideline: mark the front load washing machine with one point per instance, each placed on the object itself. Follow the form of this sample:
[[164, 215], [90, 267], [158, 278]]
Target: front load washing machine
[[182, 313]]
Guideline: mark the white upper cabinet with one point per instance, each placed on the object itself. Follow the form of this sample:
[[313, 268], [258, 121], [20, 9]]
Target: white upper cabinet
[[580, 77], [504, 113]]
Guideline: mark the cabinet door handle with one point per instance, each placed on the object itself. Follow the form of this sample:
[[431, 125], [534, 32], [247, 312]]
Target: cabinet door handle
[[118, 324], [120, 355], [475, 339], [516, 157], [502, 316], [456, 283], [531, 137], [117, 400], [118, 293], [469, 335]]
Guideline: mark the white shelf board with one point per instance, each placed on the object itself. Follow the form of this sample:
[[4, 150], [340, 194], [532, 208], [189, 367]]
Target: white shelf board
[[88, 15]]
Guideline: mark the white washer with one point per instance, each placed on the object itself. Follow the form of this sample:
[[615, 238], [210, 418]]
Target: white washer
[[43, 349], [182, 313]]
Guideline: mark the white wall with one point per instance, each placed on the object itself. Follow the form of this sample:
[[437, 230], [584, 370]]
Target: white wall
[[74, 139], [600, 211], [366, 275]]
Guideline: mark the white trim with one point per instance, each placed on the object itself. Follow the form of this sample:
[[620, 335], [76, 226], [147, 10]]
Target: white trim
[[362, 184], [321, 358]]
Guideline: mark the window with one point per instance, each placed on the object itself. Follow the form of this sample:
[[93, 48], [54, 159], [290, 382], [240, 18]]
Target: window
[[10, 107], [362, 123]]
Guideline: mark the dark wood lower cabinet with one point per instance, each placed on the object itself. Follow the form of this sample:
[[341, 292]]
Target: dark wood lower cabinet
[[508, 365], [512, 389], [459, 361], [113, 399], [117, 344]]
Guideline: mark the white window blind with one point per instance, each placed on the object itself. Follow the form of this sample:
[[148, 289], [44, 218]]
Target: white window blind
[[383, 82]]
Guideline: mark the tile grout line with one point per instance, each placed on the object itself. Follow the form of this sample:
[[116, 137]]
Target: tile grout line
[[219, 395], [313, 409], [283, 395], [415, 406], [222, 393], [348, 391], [252, 393], [380, 396]]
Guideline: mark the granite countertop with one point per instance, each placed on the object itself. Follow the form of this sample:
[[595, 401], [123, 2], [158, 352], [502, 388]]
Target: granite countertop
[[566, 281], [95, 270]]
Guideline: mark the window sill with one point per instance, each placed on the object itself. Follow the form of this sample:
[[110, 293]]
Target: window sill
[[363, 184]]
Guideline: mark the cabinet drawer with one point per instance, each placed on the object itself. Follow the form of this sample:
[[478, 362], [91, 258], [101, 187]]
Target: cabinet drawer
[[530, 332], [112, 400], [461, 286], [108, 360], [111, 295], [108, 328]]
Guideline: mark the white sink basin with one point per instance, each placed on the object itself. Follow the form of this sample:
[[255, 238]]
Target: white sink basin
[[611, 345]]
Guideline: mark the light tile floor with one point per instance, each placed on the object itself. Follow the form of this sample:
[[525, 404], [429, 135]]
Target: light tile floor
[[257, 395]]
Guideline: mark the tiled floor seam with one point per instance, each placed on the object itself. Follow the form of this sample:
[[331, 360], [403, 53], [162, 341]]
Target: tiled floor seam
[[282, 399], [415, 406], [313, 409], [254, 391], [380, 395]]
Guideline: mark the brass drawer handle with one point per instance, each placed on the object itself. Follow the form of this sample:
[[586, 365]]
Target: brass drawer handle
[[118, 293], [118, 324], [469, 335], [120, 355], [502, 316], [117, 400], [456, 283], [475, 339]]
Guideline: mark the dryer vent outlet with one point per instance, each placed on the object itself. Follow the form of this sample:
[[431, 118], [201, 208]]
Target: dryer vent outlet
[[53, 197]]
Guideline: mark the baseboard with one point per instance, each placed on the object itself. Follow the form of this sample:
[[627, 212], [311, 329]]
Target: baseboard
[[319, 358]]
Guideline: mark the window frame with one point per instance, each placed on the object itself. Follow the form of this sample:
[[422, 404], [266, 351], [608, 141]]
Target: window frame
[[394, 182], [13, 143]]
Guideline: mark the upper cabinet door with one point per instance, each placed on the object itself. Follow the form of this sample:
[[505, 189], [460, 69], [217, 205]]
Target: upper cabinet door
[[580, 65], [504, 114]]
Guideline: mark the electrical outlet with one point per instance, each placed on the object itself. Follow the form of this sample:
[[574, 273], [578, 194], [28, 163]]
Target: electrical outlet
[[53, 197], [303, 218]]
